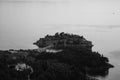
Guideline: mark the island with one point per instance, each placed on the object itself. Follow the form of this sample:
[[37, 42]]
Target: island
[[62, 56]]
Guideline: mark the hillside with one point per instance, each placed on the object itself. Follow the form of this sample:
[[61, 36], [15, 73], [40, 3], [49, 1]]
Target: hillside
[[64, 40], [61, 56]]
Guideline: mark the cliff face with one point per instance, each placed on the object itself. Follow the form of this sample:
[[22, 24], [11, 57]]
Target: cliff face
[[64, 40]]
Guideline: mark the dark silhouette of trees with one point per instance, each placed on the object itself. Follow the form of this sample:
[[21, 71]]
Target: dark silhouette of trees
[[72, 63]]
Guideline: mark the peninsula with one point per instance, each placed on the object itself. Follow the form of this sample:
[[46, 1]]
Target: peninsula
[[61, 56]]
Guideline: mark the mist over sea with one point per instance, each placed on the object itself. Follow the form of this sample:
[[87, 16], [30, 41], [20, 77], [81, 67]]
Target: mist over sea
[[22, 23]]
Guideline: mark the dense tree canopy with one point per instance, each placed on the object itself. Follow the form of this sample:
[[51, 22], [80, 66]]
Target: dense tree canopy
[[71, 63]]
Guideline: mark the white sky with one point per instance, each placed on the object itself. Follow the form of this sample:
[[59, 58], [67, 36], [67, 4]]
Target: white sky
[[90, 12]]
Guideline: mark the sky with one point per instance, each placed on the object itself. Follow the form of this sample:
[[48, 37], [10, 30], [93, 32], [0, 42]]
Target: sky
[[90, 12], [22, 22], [83, 12]]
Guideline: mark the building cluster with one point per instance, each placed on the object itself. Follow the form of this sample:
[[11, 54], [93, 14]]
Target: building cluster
[[64, 40]]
